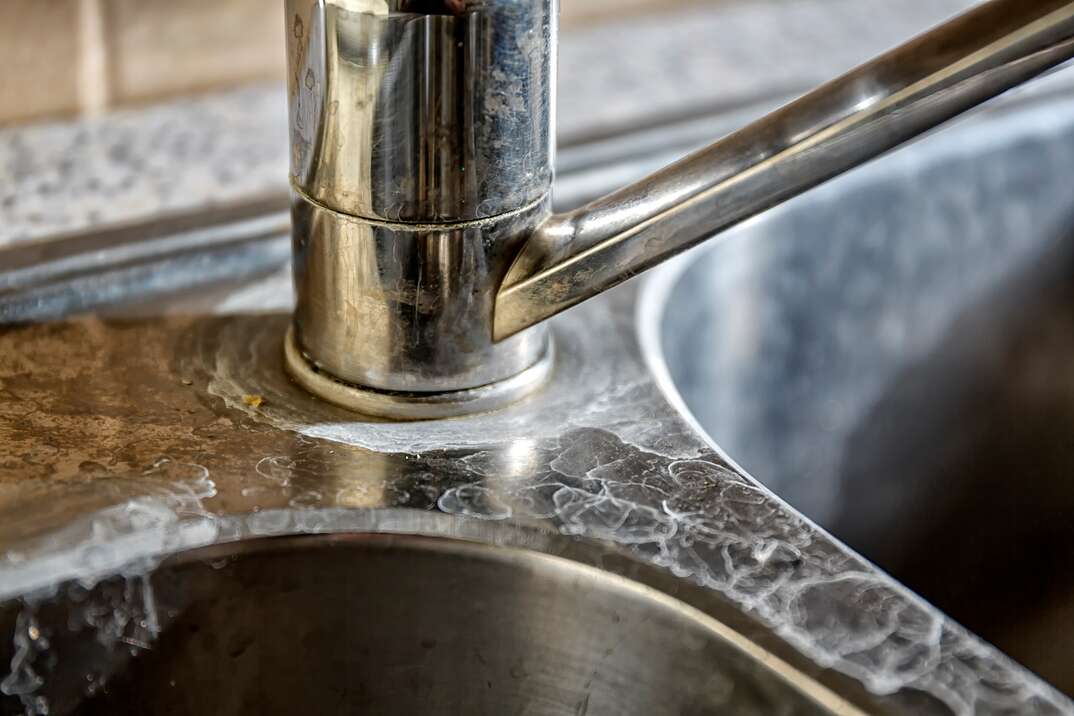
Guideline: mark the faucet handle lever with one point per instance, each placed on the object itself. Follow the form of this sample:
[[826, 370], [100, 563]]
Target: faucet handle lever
[[863, 114]]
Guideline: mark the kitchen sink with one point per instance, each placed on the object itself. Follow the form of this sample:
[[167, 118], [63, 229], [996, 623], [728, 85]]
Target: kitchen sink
[[893, 354], [183, 529], [354, 623]]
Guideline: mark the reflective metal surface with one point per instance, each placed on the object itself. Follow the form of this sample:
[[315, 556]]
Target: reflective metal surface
[[416, 406], [405, 308], [853, 119], [150, 438], [419, 113], [892, 354], [349, 624], [421, 136], [126, 443]]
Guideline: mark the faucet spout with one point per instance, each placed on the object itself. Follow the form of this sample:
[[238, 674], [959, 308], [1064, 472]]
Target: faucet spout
[[426, 255], [841, 125]]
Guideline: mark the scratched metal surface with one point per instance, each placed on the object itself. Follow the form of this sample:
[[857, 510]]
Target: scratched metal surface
[[126, 442]]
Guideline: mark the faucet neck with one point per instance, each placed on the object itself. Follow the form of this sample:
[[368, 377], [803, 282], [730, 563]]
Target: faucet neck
[[426, 255], [421, 163]]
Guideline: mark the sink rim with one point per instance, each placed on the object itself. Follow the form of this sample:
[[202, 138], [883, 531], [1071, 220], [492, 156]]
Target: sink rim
[[1009, 127], [510, 547]]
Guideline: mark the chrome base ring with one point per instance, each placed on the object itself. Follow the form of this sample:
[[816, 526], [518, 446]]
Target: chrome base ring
[[413, 406]]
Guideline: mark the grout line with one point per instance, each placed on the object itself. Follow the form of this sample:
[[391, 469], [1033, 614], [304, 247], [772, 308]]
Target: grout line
[[94, 92]]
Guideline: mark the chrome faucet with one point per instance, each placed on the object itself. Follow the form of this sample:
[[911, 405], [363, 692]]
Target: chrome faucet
[[426, 254]]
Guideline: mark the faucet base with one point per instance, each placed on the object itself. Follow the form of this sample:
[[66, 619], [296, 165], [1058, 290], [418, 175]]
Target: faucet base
[[393, 405]]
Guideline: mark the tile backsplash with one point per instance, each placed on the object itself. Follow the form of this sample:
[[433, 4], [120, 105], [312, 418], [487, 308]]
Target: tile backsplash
[[40, 50], [68, 56]]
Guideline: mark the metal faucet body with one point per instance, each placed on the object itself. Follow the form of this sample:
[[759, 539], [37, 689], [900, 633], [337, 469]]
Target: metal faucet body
[[422, 138], [421, 163]]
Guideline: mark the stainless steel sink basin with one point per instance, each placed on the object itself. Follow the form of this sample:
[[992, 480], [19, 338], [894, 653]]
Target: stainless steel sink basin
[[387, 624], [894, 355]]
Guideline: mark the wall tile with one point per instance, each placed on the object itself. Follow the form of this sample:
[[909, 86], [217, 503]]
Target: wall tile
[[164, 47], [39, 53], [62, 56]]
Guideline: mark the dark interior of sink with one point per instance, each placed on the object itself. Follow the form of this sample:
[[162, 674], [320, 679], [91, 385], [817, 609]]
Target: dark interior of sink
[[379, 625], [895, 356]]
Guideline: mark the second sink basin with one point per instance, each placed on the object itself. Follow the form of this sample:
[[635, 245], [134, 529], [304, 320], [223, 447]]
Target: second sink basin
[[894, 355]]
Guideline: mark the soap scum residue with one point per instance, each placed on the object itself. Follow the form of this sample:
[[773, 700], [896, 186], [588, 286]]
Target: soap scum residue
[[127, 539], [609, 392], [609, 462], [695, 517], [668, 495]]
